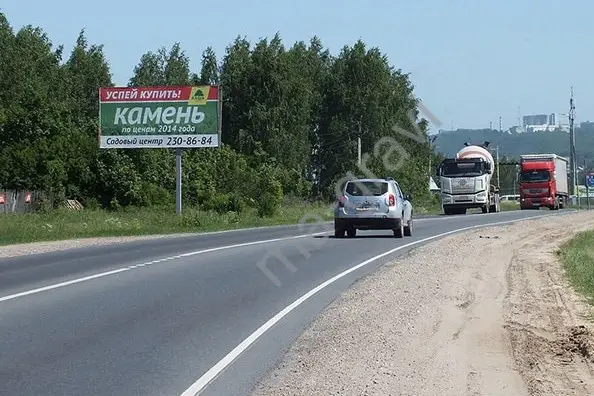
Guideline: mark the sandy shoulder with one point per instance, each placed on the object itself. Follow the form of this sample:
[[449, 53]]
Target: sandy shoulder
[[441, 322]]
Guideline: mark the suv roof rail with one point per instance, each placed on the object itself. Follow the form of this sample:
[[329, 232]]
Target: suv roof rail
[[390, 178]]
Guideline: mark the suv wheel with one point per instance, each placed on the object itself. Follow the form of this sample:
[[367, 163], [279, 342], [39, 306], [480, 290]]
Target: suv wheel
[[351, 232], [399, 232]]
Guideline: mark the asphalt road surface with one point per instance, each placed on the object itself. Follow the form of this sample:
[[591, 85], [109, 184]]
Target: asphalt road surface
[[165, 317]]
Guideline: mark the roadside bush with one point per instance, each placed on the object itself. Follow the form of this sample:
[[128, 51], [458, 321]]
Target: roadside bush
[[269, 196], [224, 203], [153, 195], [200, 192], [190, 219], [91, 203]]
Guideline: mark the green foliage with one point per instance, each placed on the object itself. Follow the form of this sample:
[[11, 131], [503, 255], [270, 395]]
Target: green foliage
[[291, 118], [61, 224], [512, 145], [268, 191], [577, 256]]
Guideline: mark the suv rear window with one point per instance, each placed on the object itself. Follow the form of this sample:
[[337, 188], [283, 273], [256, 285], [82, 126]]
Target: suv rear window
[[368, 187]]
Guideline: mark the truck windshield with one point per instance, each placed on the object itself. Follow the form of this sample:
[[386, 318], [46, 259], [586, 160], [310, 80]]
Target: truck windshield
[[534, 176], [462, 169]]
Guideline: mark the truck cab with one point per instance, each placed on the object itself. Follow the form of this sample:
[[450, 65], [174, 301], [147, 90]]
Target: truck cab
[[465, 184], [543, 181]]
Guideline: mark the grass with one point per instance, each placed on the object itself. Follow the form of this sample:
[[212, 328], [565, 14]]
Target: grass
[[433, 208], [577, 256], [506, 206], [64, 224]]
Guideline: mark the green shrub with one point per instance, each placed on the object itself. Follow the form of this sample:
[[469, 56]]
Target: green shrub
[[224, 203], [269, 194], [154, 195]]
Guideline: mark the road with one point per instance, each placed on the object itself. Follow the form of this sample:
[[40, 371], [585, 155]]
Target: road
[[155, 317]]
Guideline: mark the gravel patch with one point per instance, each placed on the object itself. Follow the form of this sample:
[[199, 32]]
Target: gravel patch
[[451, 318]]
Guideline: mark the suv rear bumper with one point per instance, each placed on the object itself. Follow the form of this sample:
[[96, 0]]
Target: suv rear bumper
[[367, 223]]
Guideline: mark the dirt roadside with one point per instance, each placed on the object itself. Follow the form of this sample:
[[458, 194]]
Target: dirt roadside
[[441, 322]]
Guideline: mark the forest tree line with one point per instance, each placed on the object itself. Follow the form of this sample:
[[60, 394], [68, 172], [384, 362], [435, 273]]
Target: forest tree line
[[512, 144], [291, 118]]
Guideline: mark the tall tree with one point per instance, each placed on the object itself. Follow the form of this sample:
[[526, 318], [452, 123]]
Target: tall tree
[[150, 71], [235, 71], [85, 72], [177, 67], [209, 72], [290, 113]]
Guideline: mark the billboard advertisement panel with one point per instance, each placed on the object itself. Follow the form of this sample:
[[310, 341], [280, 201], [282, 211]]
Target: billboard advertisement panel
[[159, 117]]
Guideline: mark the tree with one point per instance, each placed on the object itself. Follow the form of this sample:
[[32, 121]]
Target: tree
[[209, 73], [291, 118]]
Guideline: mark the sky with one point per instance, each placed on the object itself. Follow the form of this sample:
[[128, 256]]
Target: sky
[[471, 62]]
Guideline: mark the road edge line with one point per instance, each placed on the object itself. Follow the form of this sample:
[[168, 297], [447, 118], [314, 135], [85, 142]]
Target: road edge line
[[199, 385]]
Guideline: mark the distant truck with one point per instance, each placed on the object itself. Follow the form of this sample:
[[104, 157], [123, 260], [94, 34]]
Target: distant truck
[[543, 181], [466, 181]]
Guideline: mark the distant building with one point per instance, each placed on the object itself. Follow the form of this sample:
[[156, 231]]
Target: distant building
[[536, 119], [542, 123]]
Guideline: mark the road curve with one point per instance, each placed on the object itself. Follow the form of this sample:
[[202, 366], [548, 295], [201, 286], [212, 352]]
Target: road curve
[[154, 317]]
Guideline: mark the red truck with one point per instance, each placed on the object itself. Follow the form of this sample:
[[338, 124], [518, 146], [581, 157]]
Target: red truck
[[543, 181]]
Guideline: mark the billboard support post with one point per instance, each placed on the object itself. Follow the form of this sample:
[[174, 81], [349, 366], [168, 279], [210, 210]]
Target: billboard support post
[[171, 117], [178, 181], [220, 115]]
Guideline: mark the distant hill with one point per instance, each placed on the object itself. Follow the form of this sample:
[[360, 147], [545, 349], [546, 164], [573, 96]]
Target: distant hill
[[512, 145]]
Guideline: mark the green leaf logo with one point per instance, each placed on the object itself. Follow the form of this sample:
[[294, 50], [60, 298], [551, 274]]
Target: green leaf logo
[[198, 95]]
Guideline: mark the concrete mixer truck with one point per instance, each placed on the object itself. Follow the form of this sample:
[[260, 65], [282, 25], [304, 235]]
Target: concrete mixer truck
[[466, 181]]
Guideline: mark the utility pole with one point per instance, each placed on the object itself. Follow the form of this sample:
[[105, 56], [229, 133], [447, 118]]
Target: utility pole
[[497, 151], [431, 141], [498, 179], [572, 159], [430, 155], [490, 125]]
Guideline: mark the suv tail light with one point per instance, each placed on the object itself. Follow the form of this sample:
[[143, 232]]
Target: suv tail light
[[341, 201], [392, 200]]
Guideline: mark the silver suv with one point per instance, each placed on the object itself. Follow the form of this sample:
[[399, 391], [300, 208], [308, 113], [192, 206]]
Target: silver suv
[[373, 204]]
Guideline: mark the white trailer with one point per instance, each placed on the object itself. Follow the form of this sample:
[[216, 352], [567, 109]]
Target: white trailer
[[543, 181]]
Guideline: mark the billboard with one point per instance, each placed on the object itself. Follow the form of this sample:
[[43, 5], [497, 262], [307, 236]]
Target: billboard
[[159, 117]]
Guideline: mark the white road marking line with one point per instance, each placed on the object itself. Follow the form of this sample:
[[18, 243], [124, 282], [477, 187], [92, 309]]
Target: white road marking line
[[226, 361], [148, 263], [162, 260], [62, 284]]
